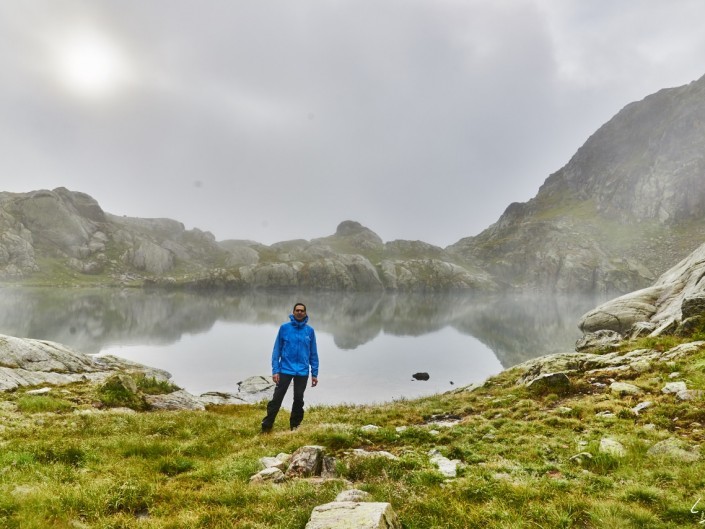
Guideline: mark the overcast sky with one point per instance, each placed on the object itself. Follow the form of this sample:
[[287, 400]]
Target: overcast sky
[[278, 119]]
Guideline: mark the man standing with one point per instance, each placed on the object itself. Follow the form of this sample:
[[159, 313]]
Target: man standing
[[294, 353]]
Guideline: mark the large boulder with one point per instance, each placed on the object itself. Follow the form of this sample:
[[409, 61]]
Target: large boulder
[[661, 304], [41, 355], [29, 362], [620, 314], [350, 514], [255, 389]]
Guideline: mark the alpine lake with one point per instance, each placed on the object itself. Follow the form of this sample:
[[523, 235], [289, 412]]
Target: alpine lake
[[369, 345]]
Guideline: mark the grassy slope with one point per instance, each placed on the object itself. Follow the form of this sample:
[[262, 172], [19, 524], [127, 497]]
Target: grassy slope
[[191, 469]]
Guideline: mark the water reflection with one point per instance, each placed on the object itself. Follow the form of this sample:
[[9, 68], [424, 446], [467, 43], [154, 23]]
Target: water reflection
[[515, 328]]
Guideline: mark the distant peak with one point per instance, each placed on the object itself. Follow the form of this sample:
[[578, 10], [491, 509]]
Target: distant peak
[[349, 227]]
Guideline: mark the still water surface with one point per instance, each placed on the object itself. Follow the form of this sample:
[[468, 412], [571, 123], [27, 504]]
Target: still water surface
[[369, 344]]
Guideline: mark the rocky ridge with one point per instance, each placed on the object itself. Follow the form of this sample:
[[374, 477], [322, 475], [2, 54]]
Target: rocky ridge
[[626, 206], [64, 237]]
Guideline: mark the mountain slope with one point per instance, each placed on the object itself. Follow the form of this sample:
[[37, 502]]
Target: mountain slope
[[628, 205]]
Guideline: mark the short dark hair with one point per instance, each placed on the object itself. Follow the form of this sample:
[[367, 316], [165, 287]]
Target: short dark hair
[[297, 304]]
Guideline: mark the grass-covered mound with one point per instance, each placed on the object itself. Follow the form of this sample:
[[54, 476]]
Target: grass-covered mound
[[529, 459]]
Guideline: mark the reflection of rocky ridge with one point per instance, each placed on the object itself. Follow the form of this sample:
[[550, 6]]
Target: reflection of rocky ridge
[[516, 329], [87, 320], [519, 328]]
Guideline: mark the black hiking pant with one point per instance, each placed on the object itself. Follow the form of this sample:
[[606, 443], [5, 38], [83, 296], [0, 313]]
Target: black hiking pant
[[297, 408]]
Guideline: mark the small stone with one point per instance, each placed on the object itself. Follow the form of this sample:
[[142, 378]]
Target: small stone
[[641, 407], [40, 391], [369, 428], [674, 449], [612, 447], [447, 467], [359, 452], [581, 456], [353, 495], [674, 387], [622, 388], [690, 394], [306, 461], [268, 474], [273, 462], [550, 383]]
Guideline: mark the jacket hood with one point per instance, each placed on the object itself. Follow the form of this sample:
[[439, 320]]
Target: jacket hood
[[298, 323]]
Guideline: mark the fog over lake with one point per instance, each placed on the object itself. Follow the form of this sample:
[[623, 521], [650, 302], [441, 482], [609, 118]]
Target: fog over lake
[[369, 344]]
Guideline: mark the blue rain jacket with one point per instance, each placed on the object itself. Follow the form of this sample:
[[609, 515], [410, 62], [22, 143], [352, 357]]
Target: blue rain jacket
[[295, 349]]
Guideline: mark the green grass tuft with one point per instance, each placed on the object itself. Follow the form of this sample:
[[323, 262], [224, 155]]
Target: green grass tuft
[[42, 404]]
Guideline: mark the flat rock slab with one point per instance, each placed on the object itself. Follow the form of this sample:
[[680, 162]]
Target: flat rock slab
[[354, 515], [177, 400]]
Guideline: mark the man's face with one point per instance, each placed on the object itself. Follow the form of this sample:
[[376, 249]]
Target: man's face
[[299, 312]]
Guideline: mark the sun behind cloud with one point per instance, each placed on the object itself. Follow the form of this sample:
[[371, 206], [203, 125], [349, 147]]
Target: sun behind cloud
[[91, 64]]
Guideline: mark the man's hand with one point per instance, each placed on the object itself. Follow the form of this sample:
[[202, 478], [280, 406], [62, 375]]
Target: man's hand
[[275, 377], [314, 382]]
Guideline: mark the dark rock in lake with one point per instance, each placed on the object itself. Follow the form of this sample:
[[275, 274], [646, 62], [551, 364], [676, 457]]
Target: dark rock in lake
[[421, 376]]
